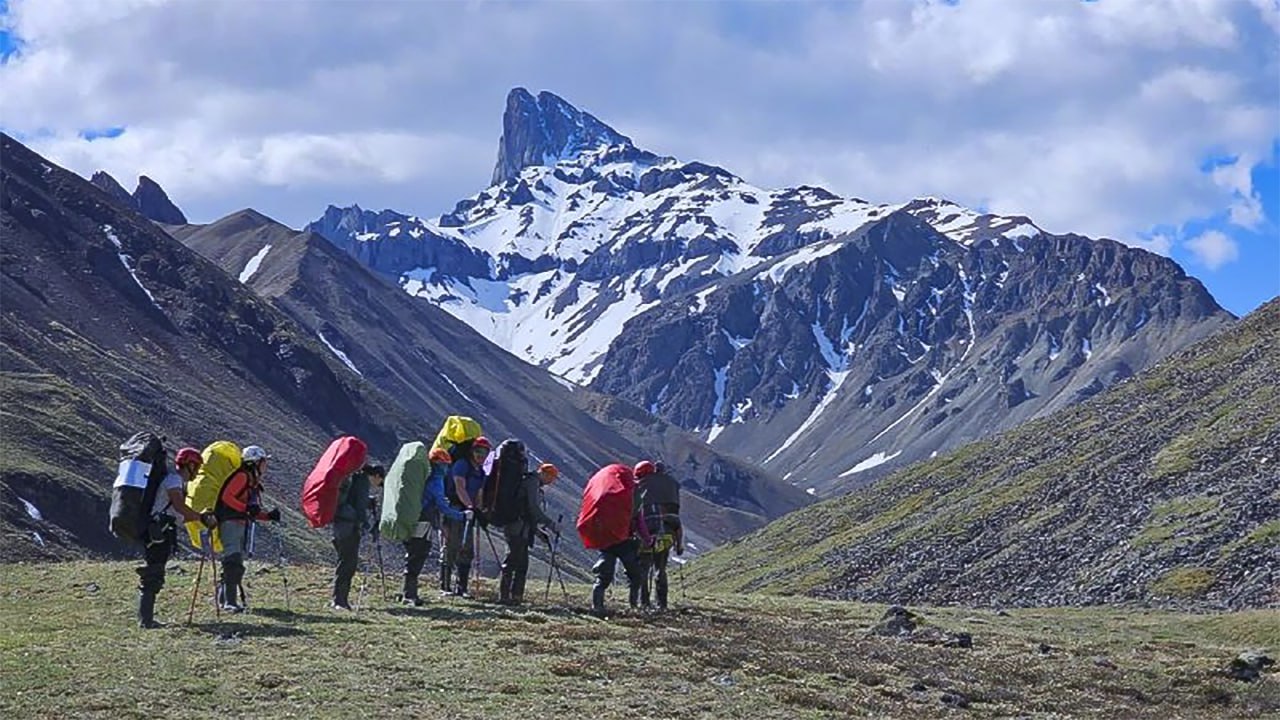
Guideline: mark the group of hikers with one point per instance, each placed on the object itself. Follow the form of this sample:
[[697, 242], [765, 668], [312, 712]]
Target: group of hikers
[[458, 487]]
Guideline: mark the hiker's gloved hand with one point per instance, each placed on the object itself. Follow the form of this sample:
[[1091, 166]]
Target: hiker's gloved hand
[[680, 550], [252, 511], [209, 520], [468, 514], [274, 515]]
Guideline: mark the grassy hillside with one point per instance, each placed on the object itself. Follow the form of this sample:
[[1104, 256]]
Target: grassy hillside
[[1164, 489], [68, 649]]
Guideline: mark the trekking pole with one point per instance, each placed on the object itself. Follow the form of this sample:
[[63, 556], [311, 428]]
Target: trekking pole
[[213, 564], [560, 576], [551, 564], [682, 599], [382, 570], [493, 547], [253, 534], [364, 576], [195, 591], [284, 576]]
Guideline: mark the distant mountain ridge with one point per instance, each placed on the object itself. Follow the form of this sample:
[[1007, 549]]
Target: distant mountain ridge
[[776, 321]]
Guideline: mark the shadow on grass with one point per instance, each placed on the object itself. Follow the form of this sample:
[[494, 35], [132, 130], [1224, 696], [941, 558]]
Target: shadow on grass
[[293, 616], [235, 631]]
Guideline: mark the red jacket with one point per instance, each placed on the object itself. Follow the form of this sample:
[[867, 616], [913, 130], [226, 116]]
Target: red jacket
[[241, 491]]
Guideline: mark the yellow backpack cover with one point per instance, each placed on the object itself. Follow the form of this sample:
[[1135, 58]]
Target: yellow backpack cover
[[457, 429], [221, 460]]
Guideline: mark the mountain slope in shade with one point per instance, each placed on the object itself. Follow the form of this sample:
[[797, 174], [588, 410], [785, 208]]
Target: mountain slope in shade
[[830, 339], [111, 327], [1163, 489], [433, 365]]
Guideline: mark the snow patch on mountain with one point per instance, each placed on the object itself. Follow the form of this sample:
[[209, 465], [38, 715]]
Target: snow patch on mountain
[[127, 261], [339, 354], [251, 267], [33, 512], [455, 387], [875, 460]]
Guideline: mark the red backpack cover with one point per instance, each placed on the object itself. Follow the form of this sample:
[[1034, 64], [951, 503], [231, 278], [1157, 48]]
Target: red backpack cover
[[605, 519], [320, 490]]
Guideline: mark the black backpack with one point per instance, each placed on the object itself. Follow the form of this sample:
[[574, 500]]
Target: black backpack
[[502, 487], [143, 466]]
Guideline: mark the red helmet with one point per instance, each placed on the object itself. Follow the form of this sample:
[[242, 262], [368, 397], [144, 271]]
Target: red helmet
[[482, 442], [440, 455], [188, 455], [644, 467]]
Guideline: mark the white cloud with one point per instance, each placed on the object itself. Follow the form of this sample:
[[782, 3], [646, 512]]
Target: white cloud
[[1213, 249], [1159, 243], [1088, 117]]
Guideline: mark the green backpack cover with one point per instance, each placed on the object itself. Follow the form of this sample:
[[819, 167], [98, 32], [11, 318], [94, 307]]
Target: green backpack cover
[[402, 491]]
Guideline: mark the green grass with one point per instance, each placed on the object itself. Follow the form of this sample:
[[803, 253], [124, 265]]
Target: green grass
[[1185, 582], [68, 648]]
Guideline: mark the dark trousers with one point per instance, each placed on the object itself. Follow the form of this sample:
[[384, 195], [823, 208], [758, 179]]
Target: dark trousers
[[655, 563], [416, 550], [515, 566], [159, 543], [626, 552], [347, 542]]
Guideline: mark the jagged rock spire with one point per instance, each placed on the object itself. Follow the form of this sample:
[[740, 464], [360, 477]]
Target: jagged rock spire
[[545, 129]]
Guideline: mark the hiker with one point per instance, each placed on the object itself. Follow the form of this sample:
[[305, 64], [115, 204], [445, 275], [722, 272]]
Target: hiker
[[160, 538], [658, 508], [351, 520], [519, 533], [608, 523], [435, 506], [240, 505], [465, 486]]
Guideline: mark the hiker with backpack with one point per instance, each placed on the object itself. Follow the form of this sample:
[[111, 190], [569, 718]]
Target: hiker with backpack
[[239, 504], [512, 496], [161, 536], [608, 523], [433, 507], [465, 489], [351, 521], [658, 508]]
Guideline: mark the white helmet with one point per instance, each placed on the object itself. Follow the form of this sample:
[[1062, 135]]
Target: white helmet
[[253, 454]]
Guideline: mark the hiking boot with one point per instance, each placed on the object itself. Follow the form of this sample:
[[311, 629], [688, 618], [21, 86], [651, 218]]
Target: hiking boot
[[146, 611], [597, 601], [232, 608], [345, 607], [460, 589], [446, 587], [410, 594]]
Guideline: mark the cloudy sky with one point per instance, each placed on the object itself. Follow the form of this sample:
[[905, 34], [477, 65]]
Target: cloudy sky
[[1149, 121]]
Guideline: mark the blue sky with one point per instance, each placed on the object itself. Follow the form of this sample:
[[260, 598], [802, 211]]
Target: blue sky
[[1155, 123]]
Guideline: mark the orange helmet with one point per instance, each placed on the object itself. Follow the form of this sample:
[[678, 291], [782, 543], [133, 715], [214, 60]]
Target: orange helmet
[[482, 442], [645, 467], [549, 470], [440, 455]]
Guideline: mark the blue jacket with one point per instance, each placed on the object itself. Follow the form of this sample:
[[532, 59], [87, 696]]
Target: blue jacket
[[473, 477], [433, 494]]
